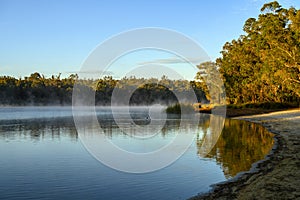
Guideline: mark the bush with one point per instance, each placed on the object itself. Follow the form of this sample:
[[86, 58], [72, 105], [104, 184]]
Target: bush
[[176, 109]]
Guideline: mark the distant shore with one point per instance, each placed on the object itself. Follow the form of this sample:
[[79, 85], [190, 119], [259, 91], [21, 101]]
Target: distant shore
[[278, 175]]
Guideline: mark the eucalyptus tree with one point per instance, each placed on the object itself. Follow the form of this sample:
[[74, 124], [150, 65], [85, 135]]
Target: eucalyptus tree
[[264, 64], [210, 82]]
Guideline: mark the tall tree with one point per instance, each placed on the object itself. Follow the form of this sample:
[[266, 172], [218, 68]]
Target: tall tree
[[210, 81], [264, 64]]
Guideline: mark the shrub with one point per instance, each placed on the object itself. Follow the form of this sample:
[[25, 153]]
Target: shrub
[[176, 109]]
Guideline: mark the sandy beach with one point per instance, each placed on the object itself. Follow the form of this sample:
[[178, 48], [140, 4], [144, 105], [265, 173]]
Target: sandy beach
[[278, 175]]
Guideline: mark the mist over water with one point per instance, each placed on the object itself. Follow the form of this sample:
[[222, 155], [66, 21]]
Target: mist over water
[[43, 158], [38, 112]]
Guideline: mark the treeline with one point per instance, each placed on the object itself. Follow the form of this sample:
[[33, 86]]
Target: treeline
[[261, 66], [36, 90], [39, 90], [264, 64]]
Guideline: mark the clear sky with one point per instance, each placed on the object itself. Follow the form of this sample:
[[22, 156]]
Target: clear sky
[[50, 36]]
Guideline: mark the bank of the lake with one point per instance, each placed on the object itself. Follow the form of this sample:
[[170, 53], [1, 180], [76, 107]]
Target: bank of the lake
[[278, 175]]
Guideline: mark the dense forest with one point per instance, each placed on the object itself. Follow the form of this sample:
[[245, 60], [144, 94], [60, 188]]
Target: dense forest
[[264, 64], [39, 90], [261, 66]]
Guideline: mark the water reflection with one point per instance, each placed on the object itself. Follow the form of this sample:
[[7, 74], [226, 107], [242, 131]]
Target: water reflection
[[211, 130], [240, 145], [43, 159], [38, 129], [235, 150]]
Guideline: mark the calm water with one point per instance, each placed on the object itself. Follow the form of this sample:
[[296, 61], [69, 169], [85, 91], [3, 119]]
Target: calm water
[[41, 157]]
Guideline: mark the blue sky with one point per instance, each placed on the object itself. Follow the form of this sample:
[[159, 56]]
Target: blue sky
[[57, 36]]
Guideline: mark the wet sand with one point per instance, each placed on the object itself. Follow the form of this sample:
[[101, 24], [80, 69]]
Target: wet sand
[[278, 175]]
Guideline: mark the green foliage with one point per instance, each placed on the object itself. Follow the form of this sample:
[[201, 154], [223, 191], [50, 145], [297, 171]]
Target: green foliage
[[263, 65], [178, 107], [210, 81], [38, 90]]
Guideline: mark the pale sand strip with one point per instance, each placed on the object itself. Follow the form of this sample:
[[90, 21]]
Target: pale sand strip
[[276, 177]]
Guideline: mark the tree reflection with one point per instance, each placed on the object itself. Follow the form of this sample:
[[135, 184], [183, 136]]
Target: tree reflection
[[38, 129], [239, 146]]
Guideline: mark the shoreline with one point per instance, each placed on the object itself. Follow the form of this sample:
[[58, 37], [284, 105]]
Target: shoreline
[[275, 177]]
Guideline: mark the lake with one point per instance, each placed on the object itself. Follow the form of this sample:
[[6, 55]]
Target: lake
[[42, 157]]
